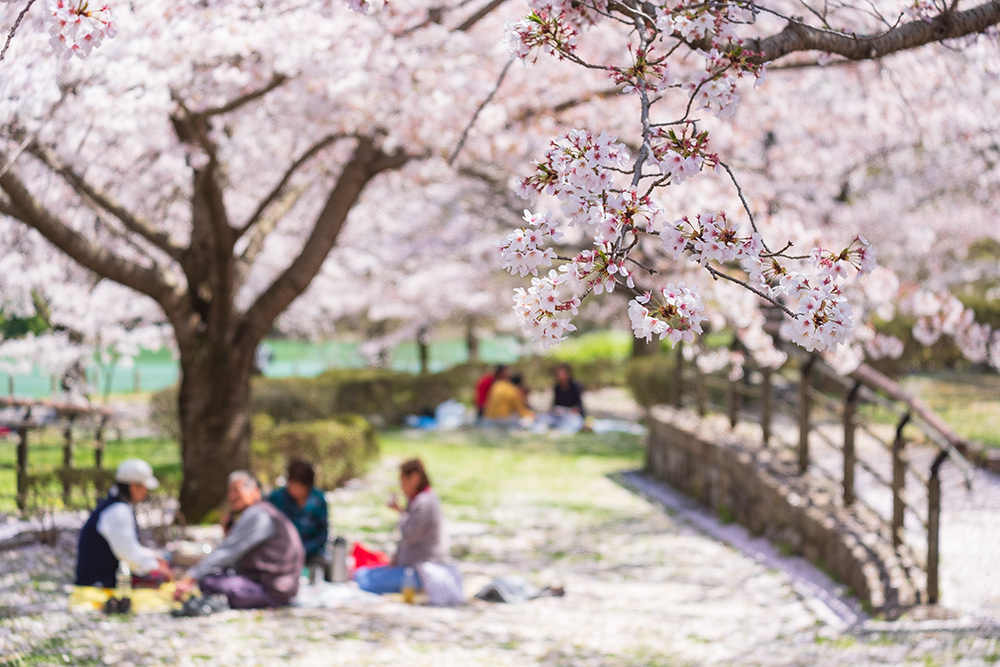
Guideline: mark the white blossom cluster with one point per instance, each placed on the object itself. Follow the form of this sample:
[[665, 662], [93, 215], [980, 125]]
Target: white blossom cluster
[[545, 309], [674, 314], [522, 252], [944, 315], [78, 26]]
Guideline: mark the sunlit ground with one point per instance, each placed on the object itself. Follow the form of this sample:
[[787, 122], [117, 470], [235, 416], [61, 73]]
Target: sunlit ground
[[642, 588]]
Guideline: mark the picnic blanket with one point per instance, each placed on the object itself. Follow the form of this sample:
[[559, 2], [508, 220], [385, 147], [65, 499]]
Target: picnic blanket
[[144, 600]]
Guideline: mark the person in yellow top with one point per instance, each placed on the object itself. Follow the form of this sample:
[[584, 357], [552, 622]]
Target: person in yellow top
[[505, 401]]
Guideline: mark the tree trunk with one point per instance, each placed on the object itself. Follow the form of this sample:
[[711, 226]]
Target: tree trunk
[[423, 350], [471, 340], [214, 406], [643, 348]]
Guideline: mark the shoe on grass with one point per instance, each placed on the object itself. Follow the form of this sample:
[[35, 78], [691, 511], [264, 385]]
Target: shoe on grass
[[202, 606]]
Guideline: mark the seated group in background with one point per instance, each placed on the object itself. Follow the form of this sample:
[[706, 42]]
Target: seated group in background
[[568, 413], [506, 402], [422, 538], [305, 506], [483, 387], [261, 557], [111, 534]]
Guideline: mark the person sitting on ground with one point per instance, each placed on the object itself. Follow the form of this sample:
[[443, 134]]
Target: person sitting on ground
[[422, 538], [568, 413], [483, 387], [506, 401], [305, 506], [259, 562], [111, 534]]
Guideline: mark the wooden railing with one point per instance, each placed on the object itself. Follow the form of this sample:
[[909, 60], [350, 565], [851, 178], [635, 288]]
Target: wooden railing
[[792, 392], [71, 418]]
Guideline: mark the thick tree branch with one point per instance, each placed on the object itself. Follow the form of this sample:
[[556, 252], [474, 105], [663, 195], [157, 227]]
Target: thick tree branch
[[265, 226], [279, 189], [479, 15], [366, 162], [101, 200], [276, 80], [156, 284], [797, 36], [565, 105]]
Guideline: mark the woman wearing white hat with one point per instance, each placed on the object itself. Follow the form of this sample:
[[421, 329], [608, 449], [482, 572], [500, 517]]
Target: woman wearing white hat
[[111, 533]]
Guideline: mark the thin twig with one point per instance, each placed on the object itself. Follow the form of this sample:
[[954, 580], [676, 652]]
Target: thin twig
[[17, 22], [472, 121], [725, 276], [746, 206], [28, 138], [642, 266]]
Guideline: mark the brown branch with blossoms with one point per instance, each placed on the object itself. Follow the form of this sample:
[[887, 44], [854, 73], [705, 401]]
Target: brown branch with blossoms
[[13, 29]]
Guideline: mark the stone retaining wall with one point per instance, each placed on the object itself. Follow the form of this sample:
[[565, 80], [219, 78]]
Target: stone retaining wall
[[759, 488]]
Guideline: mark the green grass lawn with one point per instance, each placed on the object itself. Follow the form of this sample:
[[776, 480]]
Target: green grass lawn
[[970, 402], [473, 466], [45, 453]]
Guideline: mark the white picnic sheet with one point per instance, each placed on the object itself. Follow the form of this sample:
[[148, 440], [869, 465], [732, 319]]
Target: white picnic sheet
[[327, 595]]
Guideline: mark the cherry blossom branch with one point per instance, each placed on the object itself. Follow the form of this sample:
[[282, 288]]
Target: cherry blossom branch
[[797, 36], [267, 223], [17, 23], [566, 105], [28, 138], [479, 15], [159, 285], [278, 189], [746, 206], [479, 110], [366, 162], [193, 127], [277, 79], [102, 200], [716, 274]]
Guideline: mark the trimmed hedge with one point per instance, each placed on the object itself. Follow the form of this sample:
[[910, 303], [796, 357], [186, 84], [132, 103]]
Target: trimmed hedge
[[380, 395], [651, 379], [375, 393], [340, 449], [389, 396]]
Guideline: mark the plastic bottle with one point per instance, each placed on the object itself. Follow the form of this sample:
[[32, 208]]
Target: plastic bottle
[[339, 555], [409, 586], [123, 581]]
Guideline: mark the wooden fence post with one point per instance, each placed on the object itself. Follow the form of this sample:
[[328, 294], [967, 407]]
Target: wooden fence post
[[933, 527], [677, 386], [99, 442], [702, 390], [67, 460], [765, 405], [850, 409], [136, 379], [733, 402], [805, 403], [898, 482], [22, 466]]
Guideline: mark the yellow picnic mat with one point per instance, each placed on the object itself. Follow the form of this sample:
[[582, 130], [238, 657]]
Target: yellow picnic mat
[[144, 600]]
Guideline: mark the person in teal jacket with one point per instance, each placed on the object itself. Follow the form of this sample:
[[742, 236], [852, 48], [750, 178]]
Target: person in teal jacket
[[305, 506]]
